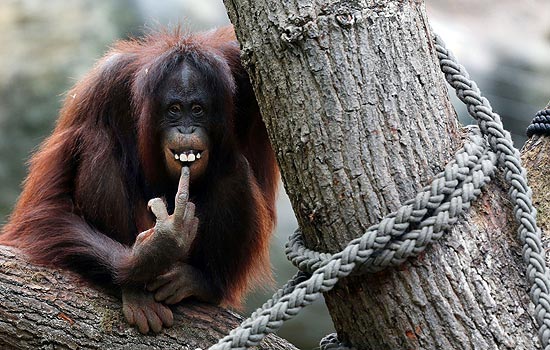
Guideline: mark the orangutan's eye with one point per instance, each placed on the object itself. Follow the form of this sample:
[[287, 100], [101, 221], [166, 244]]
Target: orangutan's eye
[[196, 109], [174, 109]]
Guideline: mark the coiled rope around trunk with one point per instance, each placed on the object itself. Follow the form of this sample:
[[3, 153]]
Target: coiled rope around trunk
[[431, 213]]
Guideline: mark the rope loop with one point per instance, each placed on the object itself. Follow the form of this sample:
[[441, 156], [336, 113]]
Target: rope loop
[[420, 221], [434, 209]]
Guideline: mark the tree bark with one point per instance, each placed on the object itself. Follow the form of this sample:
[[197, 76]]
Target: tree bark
[[535, 154], [358, 114], [45, 308]]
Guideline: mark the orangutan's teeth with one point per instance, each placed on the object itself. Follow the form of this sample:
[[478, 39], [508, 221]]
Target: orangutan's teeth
[[183, 157], [176, 156], [191, 157], [198, 156]]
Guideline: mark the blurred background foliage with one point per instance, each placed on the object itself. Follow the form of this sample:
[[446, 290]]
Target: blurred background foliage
[[45, 47]]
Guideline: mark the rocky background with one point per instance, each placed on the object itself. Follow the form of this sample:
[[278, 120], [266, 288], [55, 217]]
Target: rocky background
[[45, 47]]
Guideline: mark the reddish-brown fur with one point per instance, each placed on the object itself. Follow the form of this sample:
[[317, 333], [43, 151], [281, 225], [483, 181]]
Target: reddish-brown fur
[[84, 200]]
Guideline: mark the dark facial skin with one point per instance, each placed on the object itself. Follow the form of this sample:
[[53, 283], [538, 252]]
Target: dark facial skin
[[186, 107]]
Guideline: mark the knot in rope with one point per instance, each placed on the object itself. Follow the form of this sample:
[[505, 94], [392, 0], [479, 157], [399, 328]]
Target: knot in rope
[[420, 221]]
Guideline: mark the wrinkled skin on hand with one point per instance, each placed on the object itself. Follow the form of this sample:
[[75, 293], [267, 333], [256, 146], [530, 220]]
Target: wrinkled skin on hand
[[163, 246], [141, 310], [180, 282], [173, 234]]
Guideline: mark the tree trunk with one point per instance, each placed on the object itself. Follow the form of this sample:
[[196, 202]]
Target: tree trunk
[[45, 308], [358, 114]]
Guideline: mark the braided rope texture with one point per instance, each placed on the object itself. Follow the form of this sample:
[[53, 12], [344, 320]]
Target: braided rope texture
[[420, 221], [540, 125], [331, 342], [434, 209]]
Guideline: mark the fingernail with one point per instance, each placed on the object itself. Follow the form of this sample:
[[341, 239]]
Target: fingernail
[[185, 170]]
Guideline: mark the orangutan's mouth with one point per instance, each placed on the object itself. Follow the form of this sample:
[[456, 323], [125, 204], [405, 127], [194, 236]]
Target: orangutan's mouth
[[186, 157]]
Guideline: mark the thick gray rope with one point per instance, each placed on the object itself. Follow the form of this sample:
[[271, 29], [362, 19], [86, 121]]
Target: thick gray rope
[[417, 223], [440, 203], [520, 193], [434, 209]]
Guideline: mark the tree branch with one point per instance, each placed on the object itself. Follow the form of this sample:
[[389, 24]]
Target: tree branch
[[51, 308]]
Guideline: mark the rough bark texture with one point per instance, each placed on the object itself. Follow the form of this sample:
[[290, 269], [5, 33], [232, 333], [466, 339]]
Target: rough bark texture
[[358, 114], [45, 308], [535, 154]]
